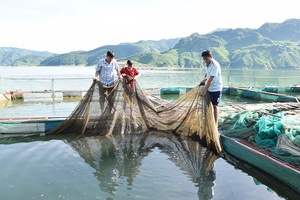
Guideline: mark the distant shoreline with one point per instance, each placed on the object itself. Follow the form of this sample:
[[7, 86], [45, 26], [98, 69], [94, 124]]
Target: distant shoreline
[[158, 68], [137, 67]]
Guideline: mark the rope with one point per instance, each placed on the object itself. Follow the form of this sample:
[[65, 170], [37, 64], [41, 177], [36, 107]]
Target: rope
[[153, 90]]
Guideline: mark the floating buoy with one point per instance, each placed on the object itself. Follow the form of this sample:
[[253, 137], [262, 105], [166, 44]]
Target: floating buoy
[[273, 89], [170, 91]]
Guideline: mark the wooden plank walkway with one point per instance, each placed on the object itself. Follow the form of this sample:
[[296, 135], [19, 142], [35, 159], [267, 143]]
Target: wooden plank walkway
[[286, 108], [290, 110]]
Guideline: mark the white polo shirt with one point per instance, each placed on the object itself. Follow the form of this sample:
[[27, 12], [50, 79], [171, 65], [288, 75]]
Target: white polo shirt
[[214, 69], [107, 72]]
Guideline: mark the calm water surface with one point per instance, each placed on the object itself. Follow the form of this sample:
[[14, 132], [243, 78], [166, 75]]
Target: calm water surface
[[17, 78], [148, 166]]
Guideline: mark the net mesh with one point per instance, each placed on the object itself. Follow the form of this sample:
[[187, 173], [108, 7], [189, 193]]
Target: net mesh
[[125, 109]]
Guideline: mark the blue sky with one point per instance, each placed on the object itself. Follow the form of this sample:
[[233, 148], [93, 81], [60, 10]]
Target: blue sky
[[62, 26]]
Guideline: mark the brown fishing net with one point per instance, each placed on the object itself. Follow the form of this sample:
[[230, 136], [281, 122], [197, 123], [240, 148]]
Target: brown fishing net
[[126, 109]]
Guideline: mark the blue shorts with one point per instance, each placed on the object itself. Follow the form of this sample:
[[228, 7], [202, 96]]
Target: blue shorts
[[215, 97]]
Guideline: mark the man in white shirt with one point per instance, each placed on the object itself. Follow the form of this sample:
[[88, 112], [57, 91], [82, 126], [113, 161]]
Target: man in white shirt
[[213, 81], [108, 69], [108, 72]]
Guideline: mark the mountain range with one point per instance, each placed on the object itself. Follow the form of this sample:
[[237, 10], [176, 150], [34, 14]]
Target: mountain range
[[271, 46]]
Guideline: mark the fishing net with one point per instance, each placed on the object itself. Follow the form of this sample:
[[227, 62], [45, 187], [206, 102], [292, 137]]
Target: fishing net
[[239, 124], [269, 129], [125, 109]]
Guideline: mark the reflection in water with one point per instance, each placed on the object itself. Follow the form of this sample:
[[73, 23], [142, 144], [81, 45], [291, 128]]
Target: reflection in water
[[118, 156], [116, 159]]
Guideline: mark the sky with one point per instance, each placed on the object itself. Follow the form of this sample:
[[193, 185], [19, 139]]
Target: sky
[[61, 26]]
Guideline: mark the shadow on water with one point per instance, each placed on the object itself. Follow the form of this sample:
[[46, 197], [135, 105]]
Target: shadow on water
[[118, 156]]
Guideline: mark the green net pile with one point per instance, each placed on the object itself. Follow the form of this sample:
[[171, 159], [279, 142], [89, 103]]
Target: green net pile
[[269, 129], [126, 109]]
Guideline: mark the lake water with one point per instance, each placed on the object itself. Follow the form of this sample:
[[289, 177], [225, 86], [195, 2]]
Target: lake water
[[80, 78], [148, 166]]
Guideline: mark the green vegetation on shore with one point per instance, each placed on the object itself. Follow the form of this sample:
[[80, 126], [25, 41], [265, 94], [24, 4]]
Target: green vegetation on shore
[[272, 46]]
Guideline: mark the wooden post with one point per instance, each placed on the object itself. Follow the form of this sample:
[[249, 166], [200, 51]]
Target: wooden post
[[52, 88]]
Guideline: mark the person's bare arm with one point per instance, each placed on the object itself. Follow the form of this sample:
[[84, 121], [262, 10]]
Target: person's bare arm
[[97, 72], [211, 78], [119, 74], [203, 80], [137, 76]]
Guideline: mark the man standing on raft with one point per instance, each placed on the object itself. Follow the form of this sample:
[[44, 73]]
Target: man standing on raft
[[213, 81], [108, 72]]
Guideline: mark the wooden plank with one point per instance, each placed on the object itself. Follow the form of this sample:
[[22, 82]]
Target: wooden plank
[[31, 118], [254, 107]]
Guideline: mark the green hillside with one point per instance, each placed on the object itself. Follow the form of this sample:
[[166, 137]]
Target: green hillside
[[271, 46], [185, 54], [268, 56], [29, 60], [288, 30], [14, 56], [236, 48], [122, 51]]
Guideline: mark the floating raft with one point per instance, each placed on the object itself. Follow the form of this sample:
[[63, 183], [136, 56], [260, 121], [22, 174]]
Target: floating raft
[[28, 125], [263, 159], [269, 93], [287, 108], [174, 90], [41, 94], [42, 124], [259, 95], [39, 125], [287, 173], [277, 89]]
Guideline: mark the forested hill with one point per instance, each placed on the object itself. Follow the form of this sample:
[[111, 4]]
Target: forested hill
[[14, 56], [273, 45]]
